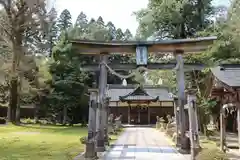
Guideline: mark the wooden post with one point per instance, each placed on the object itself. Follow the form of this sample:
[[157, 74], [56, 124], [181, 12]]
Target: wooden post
[[197, 125], [222, 130], [106, 121], [102, 113], [193, 133], [90, 151], [181, 98], [177, 122], [238, 124], [149, 113], [129, 114], [139, 118]]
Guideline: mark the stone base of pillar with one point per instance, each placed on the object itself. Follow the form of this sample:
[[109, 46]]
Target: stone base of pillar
[[106, 138], [185, 145], [100, 146], [178, 141], [90, 152], [197, 149]]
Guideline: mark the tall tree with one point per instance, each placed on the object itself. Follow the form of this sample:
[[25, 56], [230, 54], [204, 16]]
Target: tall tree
[[127, 35], [100, 21], [111, 30], [64, 21], [68, 81], [22, 17], [81, 20], [174, 19], [53, 31], [119, 34]]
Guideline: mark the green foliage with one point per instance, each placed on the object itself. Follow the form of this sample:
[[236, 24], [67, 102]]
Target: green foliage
[[81, 21], [173, 18], [210, 154], [65, 20], [3, 120], [208, 105], [68, 79], [4, 94]]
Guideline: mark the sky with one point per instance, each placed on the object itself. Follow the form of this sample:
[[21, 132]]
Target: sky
[[120, 12]]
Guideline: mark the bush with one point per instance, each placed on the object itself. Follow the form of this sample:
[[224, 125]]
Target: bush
[[83, 140], [44, 121], [28, 121], [170, 132], [2, 120], [211, 154]]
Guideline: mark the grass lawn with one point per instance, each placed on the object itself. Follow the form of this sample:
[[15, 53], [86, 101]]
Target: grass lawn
[[36, 142], [42, 142]]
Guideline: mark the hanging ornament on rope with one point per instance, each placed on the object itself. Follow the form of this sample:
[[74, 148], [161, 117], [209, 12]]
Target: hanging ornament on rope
[[124, 83], [138, 70]]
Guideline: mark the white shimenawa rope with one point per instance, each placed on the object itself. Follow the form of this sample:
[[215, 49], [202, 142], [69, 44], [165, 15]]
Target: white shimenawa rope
[[141, 68]]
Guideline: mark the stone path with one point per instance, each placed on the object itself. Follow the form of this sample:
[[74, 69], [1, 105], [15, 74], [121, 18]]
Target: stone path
[[143, 144]]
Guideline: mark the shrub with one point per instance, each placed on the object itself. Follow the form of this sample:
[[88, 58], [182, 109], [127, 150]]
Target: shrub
[[170, 132], [28, 121], [84, 125], [2, 120], [83, 140], [44, 121], [211, 154]]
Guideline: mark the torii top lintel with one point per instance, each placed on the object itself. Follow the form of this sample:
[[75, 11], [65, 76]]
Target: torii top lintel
[[184, 45]]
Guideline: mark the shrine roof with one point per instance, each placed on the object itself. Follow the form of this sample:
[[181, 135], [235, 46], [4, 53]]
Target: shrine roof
[[131, 92], [187, 45], [229, 74], [138, 94]]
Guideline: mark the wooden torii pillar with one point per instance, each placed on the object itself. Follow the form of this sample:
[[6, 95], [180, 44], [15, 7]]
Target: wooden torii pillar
[[238, 115], [181, 98], [90, 151], [102, 108], [193, 123], [178, 144]]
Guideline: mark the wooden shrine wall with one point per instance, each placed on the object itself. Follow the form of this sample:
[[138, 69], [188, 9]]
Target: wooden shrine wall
[[154, 112]]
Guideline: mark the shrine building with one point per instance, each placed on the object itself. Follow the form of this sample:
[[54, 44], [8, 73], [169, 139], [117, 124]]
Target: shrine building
[[225, 89], [140, 104]]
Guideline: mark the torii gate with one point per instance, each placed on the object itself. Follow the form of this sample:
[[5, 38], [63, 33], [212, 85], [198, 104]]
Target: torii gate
[[178, 47]]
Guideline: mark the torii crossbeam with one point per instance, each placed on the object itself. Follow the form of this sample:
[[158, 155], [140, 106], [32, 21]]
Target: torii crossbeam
[[157, 47]]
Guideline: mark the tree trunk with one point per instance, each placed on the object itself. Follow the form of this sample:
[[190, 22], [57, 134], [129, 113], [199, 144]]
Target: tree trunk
[[18, 114], [14, 90], [9, 112], [13, 99], [64, 115], [203, 122], [36, 114], [18, 103]]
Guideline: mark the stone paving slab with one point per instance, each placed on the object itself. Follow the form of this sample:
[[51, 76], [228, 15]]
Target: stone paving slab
[[143, 144]]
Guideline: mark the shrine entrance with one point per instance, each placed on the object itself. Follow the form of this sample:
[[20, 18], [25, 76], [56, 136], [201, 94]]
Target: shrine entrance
[[139, 115], [174, 48]]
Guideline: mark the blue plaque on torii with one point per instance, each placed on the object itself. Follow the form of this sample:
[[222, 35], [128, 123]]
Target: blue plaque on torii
[[141, 55]]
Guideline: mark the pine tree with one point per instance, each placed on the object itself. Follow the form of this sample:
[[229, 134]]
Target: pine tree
[[127, 35], [64, 21], [92, 21], [100, 21], [111, 31], [81, 20], [119, 34], [53, 32]]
